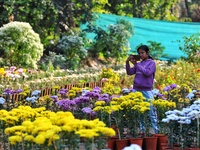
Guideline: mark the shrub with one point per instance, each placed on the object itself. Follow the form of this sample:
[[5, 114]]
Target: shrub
[[20, 45], [74, 50], [191, 47]]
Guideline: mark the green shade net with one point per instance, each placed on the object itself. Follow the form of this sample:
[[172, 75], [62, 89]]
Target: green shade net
[[164, 32]]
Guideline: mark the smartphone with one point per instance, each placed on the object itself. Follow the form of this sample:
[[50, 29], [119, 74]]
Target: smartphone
[[136, 57]]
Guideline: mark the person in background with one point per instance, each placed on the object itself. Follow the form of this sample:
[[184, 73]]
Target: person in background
[[144, 77]]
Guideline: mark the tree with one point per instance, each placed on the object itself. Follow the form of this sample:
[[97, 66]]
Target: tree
[[41, 15], [149, 9], [112, 42]]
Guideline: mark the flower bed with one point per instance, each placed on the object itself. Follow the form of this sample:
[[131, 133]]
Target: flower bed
[[108, 101]]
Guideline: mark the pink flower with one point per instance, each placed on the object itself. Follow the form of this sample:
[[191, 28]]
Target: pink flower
[[104, 79], [20, 70], [12, 68]]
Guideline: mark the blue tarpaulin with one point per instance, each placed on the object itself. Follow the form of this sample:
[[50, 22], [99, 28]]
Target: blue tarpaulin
[[164, 32]]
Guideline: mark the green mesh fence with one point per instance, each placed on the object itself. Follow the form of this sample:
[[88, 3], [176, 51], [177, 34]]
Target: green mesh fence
[[164, 32]]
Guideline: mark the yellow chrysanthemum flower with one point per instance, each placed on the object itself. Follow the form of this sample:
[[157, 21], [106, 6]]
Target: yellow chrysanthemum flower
[[99, 103], [88, 133], [106, 131], [29, 138], [67, 128], [40, 139], [29, 126], [14, 139], [98, 108]]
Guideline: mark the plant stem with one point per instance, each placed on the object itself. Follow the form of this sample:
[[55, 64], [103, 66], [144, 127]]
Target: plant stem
[[117, 128], [198, 131], [181, 136]]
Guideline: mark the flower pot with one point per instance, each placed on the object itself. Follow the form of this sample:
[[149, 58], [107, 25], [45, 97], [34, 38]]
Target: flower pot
[[111, 142], [164, 146], [161, 139], [138, 141], [120, 144], [150, 143]]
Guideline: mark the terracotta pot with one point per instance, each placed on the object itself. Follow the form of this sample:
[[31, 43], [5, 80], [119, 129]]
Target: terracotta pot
[[161, 139], [120, 144], [150, 143], [138, 141], [164, 146], [111, 142]]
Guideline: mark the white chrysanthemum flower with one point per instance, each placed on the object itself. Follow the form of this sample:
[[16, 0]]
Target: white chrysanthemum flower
[[2, 100], [169, 112], [36, 93], [194, 107], [177, 111], [197, 101], [173, 117], [186, 110], [132, 147], [166, 120], [193, 113], [187, 121]]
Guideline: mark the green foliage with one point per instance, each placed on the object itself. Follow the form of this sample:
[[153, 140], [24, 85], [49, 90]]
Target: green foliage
[[41, 15], [191, 47], [72, 13], [113, 42], [57, 60], [20, 45], [156, 49], [149, 9], [159, 10], [74, 50], [98, 6]]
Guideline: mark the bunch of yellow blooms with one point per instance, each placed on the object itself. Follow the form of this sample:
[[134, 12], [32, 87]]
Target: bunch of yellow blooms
[[42, 127]]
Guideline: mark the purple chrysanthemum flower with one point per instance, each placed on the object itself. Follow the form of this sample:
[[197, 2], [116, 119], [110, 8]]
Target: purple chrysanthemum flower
[[13, 92], [160, 95], [93, 95], [66, 104], [104, 97], [7, 91], [54, 98], [63, 91], [88, 110], [173, 86], [96, 89], [19, 90], [167, 88], [81, 99]]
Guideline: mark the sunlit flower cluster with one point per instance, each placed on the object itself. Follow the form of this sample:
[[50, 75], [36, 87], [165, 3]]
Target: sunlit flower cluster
[[40, 126]]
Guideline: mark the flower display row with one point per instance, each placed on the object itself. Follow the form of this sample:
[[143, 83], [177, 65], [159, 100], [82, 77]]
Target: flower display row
[[35, 128]]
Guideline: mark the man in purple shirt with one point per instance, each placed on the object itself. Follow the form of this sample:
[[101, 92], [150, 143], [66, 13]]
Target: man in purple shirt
[[144, 77]]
